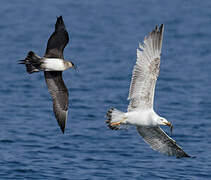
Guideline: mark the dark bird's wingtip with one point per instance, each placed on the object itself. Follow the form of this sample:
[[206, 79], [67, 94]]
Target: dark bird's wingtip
[[63, 130], [59, 17], [60, 20], [59, 23], [62, 127]]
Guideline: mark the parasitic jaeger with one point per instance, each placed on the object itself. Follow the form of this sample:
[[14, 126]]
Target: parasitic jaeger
[[53, 64]]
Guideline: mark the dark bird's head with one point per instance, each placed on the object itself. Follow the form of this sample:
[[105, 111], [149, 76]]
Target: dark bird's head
[[69, 64]]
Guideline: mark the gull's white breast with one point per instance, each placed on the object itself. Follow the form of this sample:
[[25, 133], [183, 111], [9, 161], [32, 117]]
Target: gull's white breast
[[53, 64], [142, 118]]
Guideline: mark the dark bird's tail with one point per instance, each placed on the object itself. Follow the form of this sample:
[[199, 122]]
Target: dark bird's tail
[[32, 62]]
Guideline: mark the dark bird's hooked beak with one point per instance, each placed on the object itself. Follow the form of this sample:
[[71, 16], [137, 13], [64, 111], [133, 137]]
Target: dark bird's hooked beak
[[74, 66]]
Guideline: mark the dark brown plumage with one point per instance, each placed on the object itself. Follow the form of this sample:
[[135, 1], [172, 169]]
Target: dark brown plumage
[[56, 86], [53, 64]]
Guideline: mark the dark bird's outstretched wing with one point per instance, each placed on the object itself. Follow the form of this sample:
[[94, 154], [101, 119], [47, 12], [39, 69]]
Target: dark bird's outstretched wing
[[59, 95], [160, 141], [57, 41], [55, 83]]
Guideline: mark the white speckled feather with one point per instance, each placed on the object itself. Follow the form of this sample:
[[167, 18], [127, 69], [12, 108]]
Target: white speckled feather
[[146, 71]]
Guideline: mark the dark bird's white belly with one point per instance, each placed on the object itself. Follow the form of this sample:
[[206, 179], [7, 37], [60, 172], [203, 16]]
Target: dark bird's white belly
[[53, 64]]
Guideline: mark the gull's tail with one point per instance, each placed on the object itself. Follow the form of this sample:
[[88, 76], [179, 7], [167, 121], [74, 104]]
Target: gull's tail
[[32, 62], [115, 119]]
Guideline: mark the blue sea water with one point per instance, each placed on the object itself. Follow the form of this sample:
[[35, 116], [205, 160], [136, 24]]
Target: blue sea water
[[104, 36]]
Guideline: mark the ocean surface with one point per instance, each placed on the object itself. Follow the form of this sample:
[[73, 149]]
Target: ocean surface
[[104, 36]]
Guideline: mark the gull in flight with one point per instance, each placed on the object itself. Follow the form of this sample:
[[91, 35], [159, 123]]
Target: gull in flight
[[140, 112], [53, 63]]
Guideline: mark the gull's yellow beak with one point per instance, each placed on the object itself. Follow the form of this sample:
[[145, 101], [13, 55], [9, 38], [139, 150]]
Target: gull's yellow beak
[[170, 125]]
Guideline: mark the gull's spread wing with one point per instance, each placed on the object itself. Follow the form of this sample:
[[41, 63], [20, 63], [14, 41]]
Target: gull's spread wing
[[146, 71], [160, 141]]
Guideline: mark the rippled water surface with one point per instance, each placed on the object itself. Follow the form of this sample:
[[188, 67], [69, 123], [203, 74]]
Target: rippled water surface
[[103, 39]]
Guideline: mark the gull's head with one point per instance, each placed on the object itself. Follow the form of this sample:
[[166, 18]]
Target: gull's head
[[163, 121]]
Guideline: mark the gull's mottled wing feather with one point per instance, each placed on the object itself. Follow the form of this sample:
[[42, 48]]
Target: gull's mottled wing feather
[[160, 141], [57, 41], [59, 94], [146, 71]]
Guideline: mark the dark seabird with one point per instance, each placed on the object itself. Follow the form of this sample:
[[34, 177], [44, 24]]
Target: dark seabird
[[53, 64], [140, 111]]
